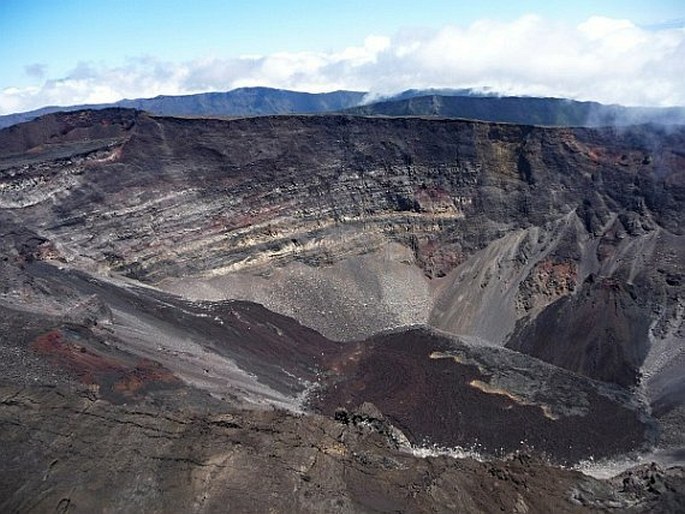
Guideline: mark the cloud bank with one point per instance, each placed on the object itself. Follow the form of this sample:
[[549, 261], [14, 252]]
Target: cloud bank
[[602, 59]]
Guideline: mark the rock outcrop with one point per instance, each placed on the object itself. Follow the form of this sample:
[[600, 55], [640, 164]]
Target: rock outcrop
[[200, 457]]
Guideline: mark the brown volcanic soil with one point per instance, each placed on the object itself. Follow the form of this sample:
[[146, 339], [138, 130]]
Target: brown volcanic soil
[[116, 379], [443, 402]]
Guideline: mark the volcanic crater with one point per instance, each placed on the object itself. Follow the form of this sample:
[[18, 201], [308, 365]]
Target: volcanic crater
[[513, 291]]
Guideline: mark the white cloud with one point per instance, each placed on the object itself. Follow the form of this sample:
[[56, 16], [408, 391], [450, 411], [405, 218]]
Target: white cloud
[[599, 27], [368, 53], [603, 59]]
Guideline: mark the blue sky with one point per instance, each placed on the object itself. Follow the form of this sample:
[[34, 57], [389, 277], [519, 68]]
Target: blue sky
[[69, 51]]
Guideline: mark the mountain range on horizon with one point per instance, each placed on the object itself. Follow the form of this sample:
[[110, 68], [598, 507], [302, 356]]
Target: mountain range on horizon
[[446, 103]]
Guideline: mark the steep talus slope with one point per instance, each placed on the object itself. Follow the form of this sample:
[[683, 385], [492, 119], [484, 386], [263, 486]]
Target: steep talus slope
[[605, 318]]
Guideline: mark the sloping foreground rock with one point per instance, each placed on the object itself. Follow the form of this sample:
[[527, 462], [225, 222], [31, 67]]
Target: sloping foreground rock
[[69, 452]]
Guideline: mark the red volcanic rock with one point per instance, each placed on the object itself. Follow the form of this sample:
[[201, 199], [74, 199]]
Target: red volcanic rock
[[116, 378]]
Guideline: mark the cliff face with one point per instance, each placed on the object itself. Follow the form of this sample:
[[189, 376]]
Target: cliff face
[[203, 195], [125, 239], [194, 205]]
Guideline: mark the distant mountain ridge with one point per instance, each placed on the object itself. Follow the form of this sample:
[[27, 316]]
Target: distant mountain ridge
[[249, 101], [447, 103], [520, 110]]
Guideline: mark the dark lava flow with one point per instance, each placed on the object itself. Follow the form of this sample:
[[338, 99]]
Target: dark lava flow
[[443, 402]]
